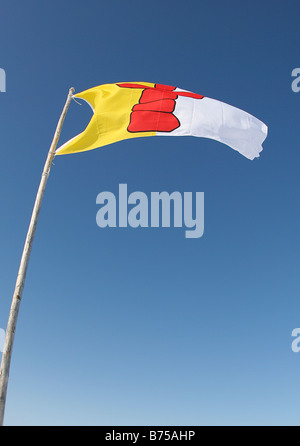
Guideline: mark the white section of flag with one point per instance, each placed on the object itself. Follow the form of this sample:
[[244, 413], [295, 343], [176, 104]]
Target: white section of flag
[[209, 118]]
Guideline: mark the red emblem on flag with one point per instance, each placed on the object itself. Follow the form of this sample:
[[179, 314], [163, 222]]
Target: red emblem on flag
[[154, 111]]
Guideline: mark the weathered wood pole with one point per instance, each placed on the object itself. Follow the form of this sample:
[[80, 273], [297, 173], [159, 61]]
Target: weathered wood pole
[[16, 300]]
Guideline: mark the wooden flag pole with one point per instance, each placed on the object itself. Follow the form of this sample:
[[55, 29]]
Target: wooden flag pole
[[16, 300]]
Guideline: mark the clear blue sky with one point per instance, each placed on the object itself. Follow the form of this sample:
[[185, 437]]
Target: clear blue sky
[[143, 326]]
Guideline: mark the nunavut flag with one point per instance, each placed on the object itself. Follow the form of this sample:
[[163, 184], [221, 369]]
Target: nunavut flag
[[135, 109]]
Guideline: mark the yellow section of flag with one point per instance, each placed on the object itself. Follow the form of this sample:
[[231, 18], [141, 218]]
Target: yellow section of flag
[[112, 106]]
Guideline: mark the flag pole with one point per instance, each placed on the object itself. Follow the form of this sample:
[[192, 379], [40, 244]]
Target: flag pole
[[16, 300]]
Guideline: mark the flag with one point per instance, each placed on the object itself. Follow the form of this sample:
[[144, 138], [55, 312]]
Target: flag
[[135, 109]]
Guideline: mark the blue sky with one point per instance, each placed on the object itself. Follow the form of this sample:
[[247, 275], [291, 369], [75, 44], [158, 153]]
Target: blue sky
[[124, 326]]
